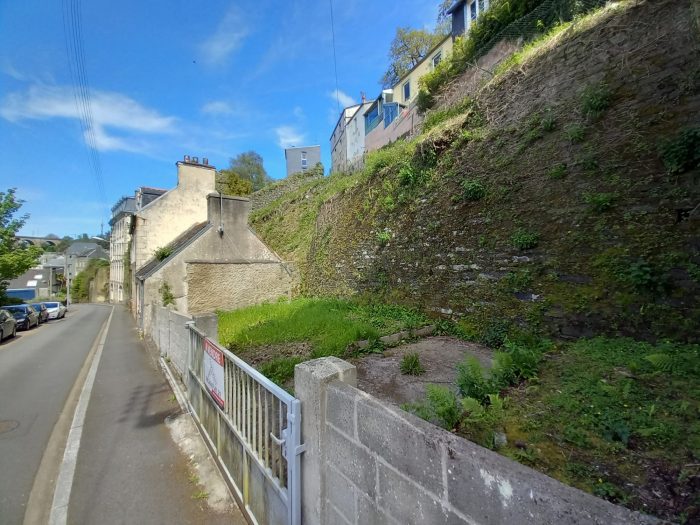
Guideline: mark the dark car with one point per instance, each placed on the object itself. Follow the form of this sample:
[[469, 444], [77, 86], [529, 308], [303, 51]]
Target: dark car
[[8, 325], [40, 309], [24, 314]]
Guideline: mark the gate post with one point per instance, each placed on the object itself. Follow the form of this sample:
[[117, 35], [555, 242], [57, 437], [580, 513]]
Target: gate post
[[310, 382]]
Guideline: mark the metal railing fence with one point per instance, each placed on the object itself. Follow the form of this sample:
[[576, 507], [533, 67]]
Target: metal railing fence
[[254, 426]]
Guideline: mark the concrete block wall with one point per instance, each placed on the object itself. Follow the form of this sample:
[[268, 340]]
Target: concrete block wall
[[171, 337], [369, 462]]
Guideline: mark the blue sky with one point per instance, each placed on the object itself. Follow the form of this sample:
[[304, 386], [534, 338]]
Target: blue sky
[[167, 79]]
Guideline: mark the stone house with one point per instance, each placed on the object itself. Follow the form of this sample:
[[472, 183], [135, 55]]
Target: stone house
[[219, 263], [157, 223]]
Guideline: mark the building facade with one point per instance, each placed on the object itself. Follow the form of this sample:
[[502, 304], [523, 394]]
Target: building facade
[[393, 114], [339, 141], [120, 223], [301, 159], [157, 223], [464, 13]]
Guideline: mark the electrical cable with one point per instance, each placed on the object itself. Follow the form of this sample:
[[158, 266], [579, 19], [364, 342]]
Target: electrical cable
[[72, 28], [335, 60]]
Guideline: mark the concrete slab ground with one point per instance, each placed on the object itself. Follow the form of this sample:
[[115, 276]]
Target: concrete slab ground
[[379, 374]]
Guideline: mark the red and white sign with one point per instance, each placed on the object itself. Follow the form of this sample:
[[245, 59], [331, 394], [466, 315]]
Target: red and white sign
[[213, 366]]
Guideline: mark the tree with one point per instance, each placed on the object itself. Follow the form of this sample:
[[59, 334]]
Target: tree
[[444, 19], [230, 183], [407, 49], [14, 258], [248, 166]]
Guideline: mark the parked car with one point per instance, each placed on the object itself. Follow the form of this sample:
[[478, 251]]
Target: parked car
[[24, 314], [8, 325], [55, 309], [40, 308]]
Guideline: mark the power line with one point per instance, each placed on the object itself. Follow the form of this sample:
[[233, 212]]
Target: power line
[[72, 29], [335, 60]]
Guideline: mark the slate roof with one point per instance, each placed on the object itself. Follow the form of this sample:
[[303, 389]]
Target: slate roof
[[81, 248], [176, 246]]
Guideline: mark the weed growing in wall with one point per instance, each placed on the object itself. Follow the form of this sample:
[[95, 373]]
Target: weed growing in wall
[[524, 240], [558, 171], [472, 190], [595, 99], [599, 202], [166, 294], [682, 153], [575, 133]]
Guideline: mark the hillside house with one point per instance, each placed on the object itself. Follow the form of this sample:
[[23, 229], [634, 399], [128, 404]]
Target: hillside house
[[394, 115], [348, 138], [218, 263], [464, 13], [302, 158], [158, 222]]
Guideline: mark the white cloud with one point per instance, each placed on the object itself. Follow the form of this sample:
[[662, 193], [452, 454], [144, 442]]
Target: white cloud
[[299, 113], [226, 39], [218, 107], [109, 110], [288, 136], [344, 99]]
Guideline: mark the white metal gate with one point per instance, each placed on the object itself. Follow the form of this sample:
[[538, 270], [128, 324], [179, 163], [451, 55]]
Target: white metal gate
[[253, 425]]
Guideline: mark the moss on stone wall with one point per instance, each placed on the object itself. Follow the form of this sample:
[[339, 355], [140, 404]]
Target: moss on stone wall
[[579, 228]]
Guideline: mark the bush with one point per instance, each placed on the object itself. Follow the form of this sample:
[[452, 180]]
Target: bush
[[524, 240], [162, 253], [682, 153], [595, 99], [599, 201], [166, 294], [558, 171], [575, 133], [472, 190], [443, 405], [471, 380]]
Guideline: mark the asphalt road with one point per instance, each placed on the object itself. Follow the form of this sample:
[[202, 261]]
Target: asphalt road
[[128, 468], [37, 370]]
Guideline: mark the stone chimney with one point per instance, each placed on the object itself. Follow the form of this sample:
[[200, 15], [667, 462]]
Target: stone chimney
[[196, 174]]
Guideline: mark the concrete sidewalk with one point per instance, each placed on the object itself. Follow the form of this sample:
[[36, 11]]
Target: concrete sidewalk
[[129, 468]]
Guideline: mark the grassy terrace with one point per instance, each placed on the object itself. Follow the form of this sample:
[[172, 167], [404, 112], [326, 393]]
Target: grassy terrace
[[615, 417], [275, 337]]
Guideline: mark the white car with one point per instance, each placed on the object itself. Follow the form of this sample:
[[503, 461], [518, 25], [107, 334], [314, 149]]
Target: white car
[[56, 310]]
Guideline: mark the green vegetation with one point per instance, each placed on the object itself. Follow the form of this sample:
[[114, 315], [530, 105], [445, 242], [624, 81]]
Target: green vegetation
[[473, 190], [503, 15], [163, 252], [410, 365], [595, 99], [326, 326], [523, 239], [166, 294], [599, 201], [609, 416], [80, 287], [628, 407], [575, 133], [682, 152], [466, 106], [557, 172], [14, 259]]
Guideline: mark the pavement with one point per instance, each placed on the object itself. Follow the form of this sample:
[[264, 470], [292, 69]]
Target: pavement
[[129, 469], [136, 458]]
